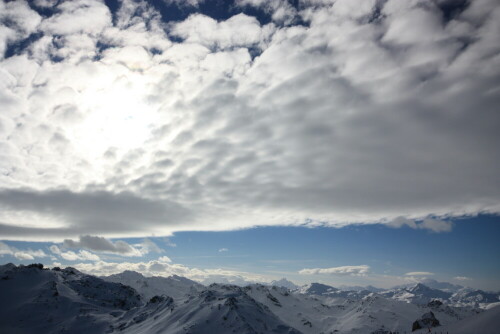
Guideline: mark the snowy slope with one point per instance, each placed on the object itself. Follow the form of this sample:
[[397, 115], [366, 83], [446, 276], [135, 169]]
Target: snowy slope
[[173, 286], [36, 300]]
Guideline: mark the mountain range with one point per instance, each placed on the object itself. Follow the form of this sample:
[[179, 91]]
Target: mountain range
[[34, 299]]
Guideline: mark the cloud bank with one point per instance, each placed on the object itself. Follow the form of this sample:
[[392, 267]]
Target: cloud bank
[[121, 124], [163, 267]]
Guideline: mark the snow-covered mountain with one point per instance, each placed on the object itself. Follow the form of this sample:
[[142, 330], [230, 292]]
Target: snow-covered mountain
[[148, 287], [38, 300], [423, 294], [476, 298], [317, 289], [331, 314], [417, 294], [217, 309], [444, 286], [360, 288], [284, 283], [327, 290], [432, 283]]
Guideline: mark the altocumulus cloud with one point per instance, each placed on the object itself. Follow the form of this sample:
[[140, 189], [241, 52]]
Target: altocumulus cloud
[[120, 124]]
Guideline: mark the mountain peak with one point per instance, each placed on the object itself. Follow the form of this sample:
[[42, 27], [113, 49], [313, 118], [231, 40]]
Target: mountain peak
[[129, 275], [284, 283], [419, 287], [317, 289]]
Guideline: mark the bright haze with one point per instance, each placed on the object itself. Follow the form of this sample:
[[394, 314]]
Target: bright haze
[[320, 140]]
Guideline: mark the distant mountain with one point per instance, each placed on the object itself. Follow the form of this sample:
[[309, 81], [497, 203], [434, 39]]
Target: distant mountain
[[471, 297], [423, 290], [445, 286], [173, 286], [417, 294], [224, 279], [284, 283], [464, 297], [432, 283], [360, 288], [317, 289]]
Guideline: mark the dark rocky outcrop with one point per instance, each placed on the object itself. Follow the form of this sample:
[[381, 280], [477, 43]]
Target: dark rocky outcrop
[[428, 320], [435, 303]]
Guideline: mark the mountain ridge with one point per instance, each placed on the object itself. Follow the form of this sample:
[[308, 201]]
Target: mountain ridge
[[68, 300]]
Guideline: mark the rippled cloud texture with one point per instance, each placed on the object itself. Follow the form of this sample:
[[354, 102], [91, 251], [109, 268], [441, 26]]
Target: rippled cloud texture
[[334, 112]]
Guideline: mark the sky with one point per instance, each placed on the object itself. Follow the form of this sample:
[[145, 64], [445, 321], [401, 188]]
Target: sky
[[319, 140]]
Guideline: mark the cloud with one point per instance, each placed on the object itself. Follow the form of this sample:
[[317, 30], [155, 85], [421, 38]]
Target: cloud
[[22, 21], [87, 16], [223, 250], [184, 3], [82, 255], [25, 254], [92, 212], [281, 10], [340, 271], [436, 225], [123, 125], [431, 224], [419, 273], [148, 246], [164, 259], [238, 31], [169, 242]]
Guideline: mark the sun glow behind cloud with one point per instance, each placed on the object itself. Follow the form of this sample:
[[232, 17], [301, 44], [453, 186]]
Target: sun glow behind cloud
[[118, 117]]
